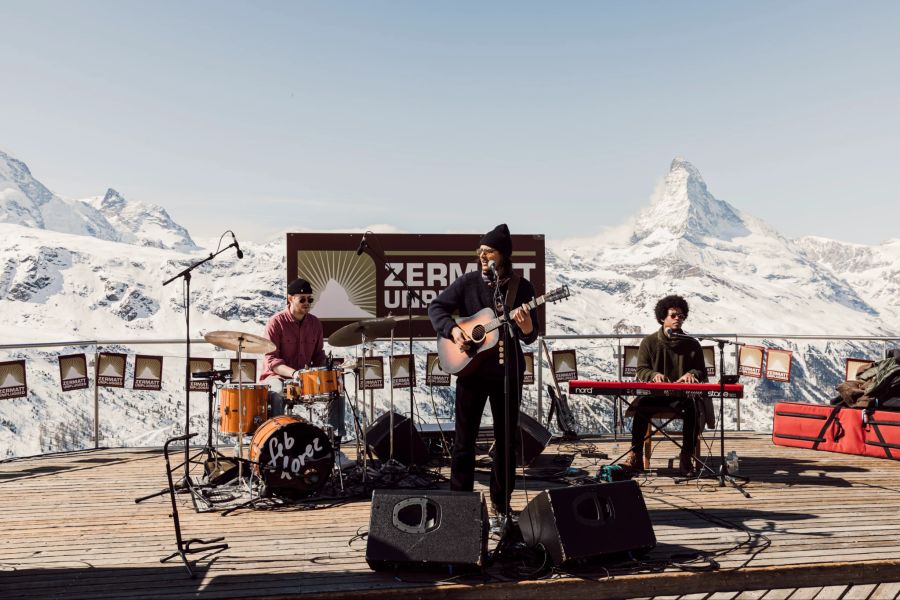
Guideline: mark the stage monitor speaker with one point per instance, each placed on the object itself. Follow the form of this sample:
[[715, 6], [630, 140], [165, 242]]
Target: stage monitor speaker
[[589, 521], [534, 438], [427, 529], [409, 448]]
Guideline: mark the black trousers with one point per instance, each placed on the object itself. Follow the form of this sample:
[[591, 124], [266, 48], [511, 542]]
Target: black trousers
[[644, 411], [471, 394]]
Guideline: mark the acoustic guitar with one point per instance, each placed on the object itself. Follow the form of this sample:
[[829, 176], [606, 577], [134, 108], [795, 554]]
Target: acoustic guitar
[[481, 329]]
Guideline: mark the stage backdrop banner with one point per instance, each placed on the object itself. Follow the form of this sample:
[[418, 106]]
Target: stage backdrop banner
[[565, 365], [73, 372], [111, 369], [750, 361], [371, 375], [529, 368], [248, 370], [12, 380], [629, 361], [709, 357], [403, 371], [200, 365], [778, 364], [434, 376], [855, 366], [348, 287], [147, 372]]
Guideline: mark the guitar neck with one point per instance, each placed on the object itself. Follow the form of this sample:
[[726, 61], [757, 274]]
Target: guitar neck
[[497, 322]]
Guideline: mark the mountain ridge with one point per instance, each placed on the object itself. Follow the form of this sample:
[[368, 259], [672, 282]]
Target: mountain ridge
[[738, 273]]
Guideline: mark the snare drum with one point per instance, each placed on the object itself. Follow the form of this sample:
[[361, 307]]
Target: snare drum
[[319, 384], [256, 408], [292, 457], [292, 392]]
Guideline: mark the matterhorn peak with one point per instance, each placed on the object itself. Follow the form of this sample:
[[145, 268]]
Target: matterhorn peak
[[683, 207]]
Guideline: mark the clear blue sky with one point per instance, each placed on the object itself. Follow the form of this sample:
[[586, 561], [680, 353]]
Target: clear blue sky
[[557, 117]]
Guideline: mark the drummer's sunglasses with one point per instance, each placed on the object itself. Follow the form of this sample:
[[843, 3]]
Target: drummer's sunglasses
[[304, 299]]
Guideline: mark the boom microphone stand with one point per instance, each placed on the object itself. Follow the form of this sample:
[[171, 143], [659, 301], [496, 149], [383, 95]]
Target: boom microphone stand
[[724, 475], [186, 275], [410, 294]]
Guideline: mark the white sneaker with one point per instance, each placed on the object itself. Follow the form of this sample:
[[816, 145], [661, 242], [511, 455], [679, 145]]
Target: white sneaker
[[495, 524]]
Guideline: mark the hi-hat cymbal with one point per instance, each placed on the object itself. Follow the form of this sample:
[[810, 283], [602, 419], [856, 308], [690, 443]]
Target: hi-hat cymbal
[[372, 329], [235, 340]]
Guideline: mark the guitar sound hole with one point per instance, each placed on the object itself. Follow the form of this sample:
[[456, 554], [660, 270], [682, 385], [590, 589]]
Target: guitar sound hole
[[478, 333]]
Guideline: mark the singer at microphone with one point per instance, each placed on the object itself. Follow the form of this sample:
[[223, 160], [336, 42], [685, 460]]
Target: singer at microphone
[[492, 269], [500, 368], [668, 355]]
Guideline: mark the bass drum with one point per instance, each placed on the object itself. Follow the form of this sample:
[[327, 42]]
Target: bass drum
[[291, 457]]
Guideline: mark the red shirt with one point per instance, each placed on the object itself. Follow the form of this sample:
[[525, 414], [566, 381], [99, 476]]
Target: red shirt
[[298, 344]]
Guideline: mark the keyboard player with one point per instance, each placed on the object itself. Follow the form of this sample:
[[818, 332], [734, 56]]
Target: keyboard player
[[662, 358]]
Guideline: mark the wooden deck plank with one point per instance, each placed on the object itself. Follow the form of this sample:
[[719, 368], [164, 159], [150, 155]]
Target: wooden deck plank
[[886, 591], [831, 592], [807, 593], [73, 530]]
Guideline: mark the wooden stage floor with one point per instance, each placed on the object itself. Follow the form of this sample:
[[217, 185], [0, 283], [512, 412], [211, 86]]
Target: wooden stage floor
[[817, 525]]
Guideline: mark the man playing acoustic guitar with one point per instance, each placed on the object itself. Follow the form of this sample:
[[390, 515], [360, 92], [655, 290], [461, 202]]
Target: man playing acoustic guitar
[[484, 378]]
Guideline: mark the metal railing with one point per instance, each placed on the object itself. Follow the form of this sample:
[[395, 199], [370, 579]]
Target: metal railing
[[737, 338], [594, 366]]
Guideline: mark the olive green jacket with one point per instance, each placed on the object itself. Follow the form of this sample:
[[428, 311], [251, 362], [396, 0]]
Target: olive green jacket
[[671, 357]]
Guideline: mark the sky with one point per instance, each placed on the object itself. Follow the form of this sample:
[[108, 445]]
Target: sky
[[558, 118]]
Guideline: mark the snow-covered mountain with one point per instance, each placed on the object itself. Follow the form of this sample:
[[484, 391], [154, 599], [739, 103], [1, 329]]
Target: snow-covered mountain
[[26, 201], [95, 270], [142, 224]]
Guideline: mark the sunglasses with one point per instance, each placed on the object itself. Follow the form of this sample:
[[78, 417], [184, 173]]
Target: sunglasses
[[304, 299], [681, 316], [488, 251]]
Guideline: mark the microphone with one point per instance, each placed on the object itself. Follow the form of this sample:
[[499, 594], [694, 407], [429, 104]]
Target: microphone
[[677, 334], [214, 374], [362, 245], [236, 246], [492, 267]]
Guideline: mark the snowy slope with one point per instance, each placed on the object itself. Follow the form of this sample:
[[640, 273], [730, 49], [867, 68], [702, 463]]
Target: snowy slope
[[99, 275]]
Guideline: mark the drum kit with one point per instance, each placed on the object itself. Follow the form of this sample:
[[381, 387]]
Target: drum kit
[[290, 456]]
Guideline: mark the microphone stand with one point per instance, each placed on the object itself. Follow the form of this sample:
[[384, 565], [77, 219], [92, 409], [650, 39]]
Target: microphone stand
[[724, 475], [509, 336], [410, 294], [186, 274]]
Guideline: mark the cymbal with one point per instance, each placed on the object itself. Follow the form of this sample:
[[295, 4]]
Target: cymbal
[[234, 340], [352, 334]]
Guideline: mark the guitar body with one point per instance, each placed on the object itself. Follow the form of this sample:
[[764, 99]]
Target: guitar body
[[462, 363]]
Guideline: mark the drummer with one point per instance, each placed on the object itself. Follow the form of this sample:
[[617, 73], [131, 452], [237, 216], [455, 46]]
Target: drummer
[[299, 341]]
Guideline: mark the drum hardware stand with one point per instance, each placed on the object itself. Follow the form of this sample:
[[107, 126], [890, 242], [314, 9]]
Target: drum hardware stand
[[410, 294], [212, 453], [184, 546], [337, 469], [186, 275], [361, 446]]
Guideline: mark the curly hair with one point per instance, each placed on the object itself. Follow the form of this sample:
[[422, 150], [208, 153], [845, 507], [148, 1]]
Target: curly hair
[[671, 301]]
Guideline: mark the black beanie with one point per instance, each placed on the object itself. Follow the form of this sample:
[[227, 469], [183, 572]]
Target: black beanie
[[299, 286], [499, 239]]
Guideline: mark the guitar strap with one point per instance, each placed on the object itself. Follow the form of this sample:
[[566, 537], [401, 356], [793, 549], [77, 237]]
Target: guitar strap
[[512, 289]]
